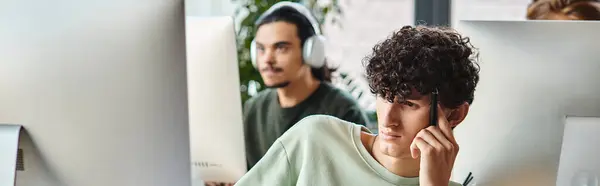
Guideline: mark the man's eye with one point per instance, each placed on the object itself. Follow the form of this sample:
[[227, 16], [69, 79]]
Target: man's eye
[[407, 103], [282, 48]]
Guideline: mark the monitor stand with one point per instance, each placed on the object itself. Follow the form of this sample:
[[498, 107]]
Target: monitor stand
[[9, 153]]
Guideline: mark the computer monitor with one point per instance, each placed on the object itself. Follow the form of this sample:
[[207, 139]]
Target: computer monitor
[[533, 75], [216, 128], [579, 161], [100, 87]]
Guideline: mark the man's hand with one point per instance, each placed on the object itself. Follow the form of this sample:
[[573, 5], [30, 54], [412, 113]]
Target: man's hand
[[437, 148]]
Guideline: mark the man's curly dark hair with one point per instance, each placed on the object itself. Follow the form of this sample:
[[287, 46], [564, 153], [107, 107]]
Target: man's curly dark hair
[[424, 58]]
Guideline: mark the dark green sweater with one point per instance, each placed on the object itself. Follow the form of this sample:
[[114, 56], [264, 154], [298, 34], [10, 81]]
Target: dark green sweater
[[265, 120]]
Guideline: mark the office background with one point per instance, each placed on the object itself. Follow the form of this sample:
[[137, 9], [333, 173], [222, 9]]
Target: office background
[[365, 22]]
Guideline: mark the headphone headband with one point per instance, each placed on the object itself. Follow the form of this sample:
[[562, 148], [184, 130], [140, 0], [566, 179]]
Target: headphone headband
[[313, 49], [298, 7]]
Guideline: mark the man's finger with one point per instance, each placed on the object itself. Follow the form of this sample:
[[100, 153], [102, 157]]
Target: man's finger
[[431, 139], [414, 150], [423, 147], [435, 131], [444, 125]]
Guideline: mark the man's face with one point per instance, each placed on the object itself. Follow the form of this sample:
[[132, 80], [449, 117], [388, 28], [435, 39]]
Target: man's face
[[400, 122], [279, 54]]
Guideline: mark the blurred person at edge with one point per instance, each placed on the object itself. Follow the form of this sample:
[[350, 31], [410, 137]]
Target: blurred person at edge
[[564, 10]]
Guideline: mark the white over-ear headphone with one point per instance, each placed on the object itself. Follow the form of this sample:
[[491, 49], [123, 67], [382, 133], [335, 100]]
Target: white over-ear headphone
[[313, 50]]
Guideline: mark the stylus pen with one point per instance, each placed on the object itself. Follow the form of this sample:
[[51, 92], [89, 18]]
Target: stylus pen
[[433, 110], [468, 179]]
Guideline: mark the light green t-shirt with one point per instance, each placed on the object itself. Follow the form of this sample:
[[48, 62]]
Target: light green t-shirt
[[322, 150]]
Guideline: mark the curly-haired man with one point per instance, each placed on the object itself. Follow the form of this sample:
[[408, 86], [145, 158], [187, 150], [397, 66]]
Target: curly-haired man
[[403, 71]]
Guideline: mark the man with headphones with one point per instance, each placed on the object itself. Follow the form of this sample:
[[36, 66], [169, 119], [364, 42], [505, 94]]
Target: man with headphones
[[289, 53]]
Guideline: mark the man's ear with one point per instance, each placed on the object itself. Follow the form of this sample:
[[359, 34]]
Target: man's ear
[[458, 114]]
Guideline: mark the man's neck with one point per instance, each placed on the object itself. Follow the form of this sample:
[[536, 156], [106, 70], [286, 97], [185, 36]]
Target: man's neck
[[405, 167], [296, 92]]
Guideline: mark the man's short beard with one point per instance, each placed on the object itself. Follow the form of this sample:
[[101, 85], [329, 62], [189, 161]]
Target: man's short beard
[[279, 85]]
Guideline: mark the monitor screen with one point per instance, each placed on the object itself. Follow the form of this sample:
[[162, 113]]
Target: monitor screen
[[533, 75]]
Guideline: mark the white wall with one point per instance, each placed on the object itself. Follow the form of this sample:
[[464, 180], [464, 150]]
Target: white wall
[[209, 7], [365, 23]]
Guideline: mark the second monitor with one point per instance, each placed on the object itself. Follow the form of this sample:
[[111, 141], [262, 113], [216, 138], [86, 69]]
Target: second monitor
[[533, 74], [215, 106]]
